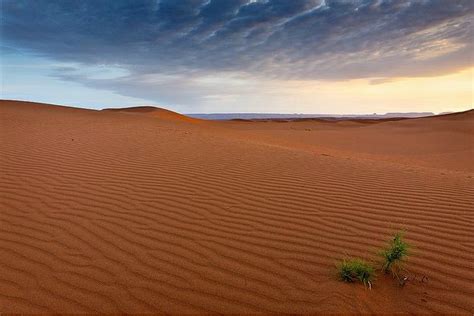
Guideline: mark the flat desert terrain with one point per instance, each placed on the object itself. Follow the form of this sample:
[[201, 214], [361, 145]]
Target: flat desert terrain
[[144, 210]]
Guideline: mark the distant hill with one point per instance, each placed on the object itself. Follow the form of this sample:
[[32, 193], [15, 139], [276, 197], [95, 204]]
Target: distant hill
[[444, 113], [154, 112], [250, 116]]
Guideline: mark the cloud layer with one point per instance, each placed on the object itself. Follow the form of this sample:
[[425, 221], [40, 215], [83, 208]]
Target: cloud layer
[[211, 48]]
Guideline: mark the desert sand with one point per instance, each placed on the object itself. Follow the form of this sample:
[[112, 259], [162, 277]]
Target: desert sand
[[144, 210]]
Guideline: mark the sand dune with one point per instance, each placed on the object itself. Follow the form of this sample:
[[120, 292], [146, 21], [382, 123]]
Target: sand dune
[[441, 142], [141, 210], [162, 114]]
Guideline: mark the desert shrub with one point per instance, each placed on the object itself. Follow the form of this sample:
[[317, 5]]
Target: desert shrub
[[353, 270], [394, 254]]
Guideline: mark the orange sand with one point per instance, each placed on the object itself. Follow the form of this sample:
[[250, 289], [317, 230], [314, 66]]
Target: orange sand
[[144, 210]]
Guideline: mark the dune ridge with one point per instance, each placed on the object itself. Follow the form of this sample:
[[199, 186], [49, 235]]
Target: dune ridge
[[156, 112], [105, 212]]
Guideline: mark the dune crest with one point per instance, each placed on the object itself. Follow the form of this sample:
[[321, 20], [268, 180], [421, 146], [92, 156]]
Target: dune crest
[[160, 113]]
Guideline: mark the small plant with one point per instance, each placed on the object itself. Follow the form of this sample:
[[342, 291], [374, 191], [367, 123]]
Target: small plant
[[394, 254], [356, 270]]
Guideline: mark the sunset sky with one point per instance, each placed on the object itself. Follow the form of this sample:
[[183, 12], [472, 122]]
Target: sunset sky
[[286, 56]]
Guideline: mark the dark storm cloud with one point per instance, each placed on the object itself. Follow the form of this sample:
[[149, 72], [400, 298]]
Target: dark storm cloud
[[282, 39]]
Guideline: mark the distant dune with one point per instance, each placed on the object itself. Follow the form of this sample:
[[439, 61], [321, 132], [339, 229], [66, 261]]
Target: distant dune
[[264, 116], [143, 210], [155, 112]]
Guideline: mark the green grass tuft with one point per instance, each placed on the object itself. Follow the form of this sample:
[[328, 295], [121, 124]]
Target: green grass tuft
[[353, 270], [394, 254]]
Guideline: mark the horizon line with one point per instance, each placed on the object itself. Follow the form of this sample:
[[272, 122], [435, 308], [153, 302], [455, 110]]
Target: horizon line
[[469, 108]]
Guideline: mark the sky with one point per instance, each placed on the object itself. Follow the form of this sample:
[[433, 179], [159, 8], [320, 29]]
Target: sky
[[227, 56]]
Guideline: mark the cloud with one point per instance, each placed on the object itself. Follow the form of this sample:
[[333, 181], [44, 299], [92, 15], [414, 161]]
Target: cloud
[[164, 44]]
